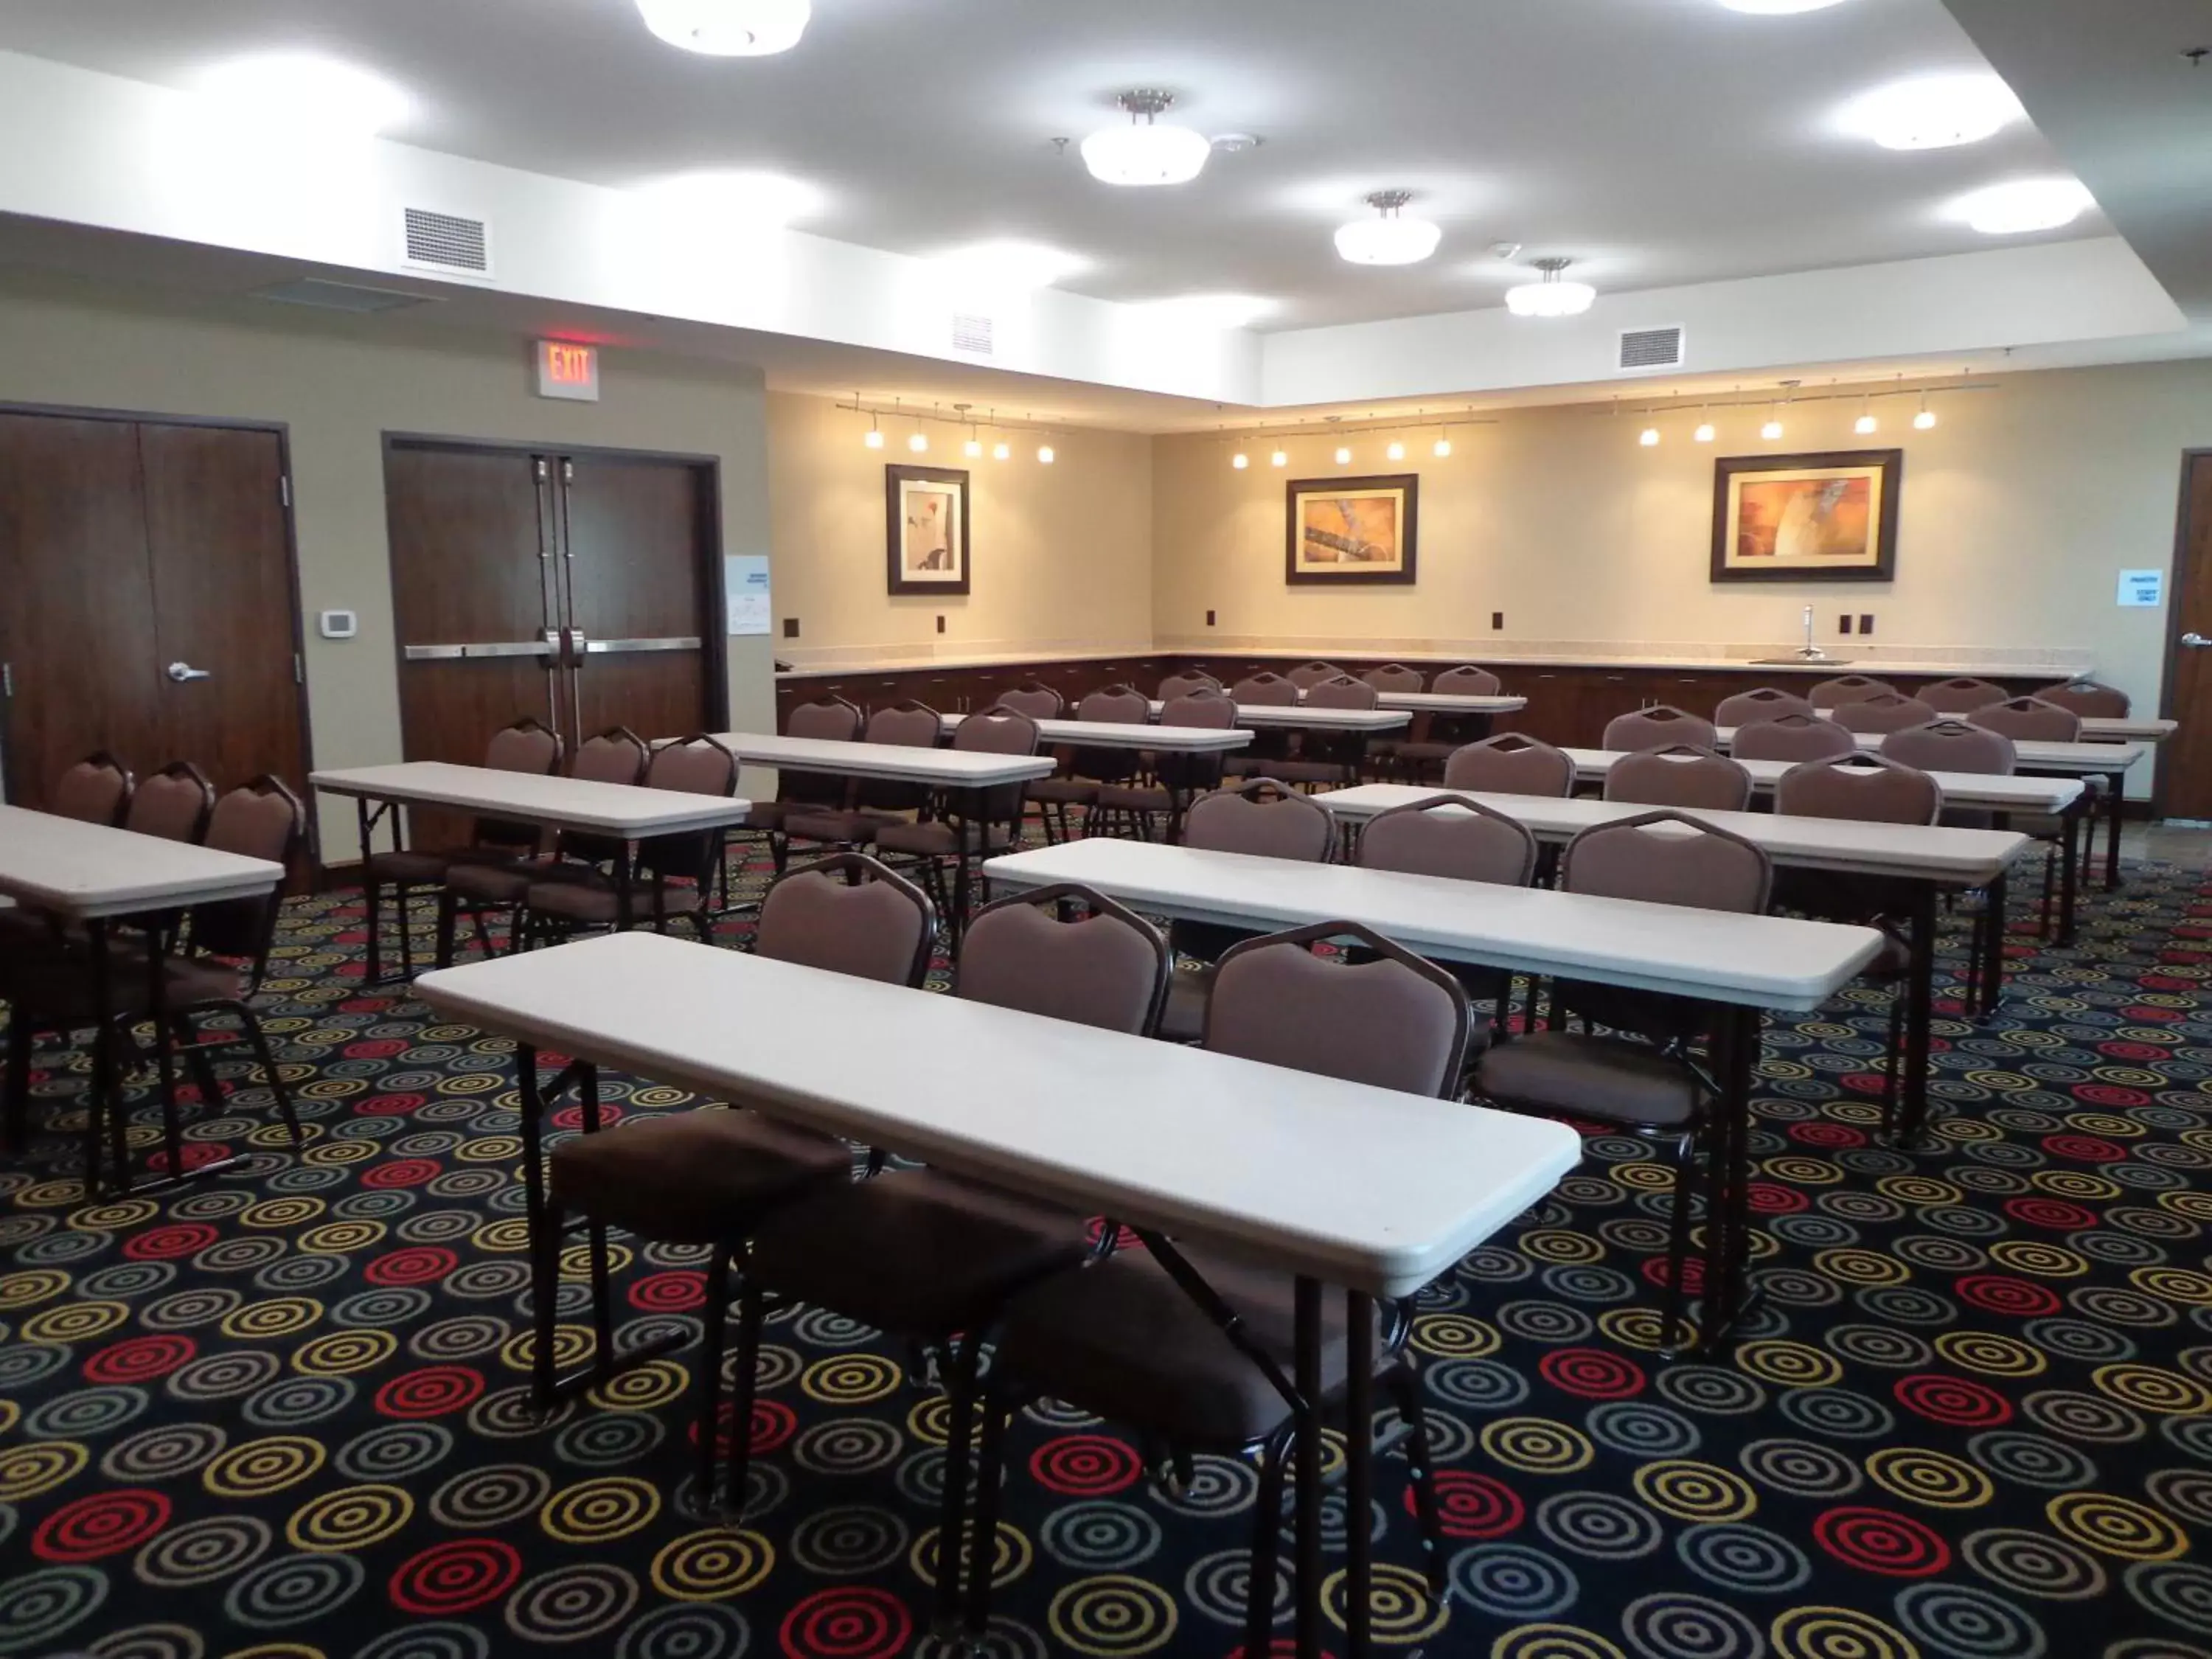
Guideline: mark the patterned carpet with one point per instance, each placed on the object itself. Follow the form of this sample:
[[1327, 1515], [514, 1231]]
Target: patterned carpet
[[282, 1414]]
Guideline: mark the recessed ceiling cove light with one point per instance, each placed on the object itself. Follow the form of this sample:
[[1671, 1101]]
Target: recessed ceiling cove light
[[300, 90], [1548, 296], [1388, 238], [1212, 310], [1144, 152], [1778, 8], [1933, 112], [1007, 265], [2030, 204], [743, 197], [728, 28]]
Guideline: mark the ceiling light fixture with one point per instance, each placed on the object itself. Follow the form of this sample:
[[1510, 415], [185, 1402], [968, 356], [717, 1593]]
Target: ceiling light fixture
[[1925, 420], [1144, 152], [1773, 429], [1001, 450], [1933, 112], [1442, 450], [1397, 450], [1649, 437], [1343, 456], [1280, 458], [1778, 8], [919, 443], [2028, 204], [1389, 238], [1240, 460], [1045, 456], [1549, 296], [728, 28], [873, 437], [305, 92], [1705, 433]]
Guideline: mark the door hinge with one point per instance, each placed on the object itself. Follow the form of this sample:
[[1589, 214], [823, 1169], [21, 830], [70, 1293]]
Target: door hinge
[[284, 490], [299, 670]]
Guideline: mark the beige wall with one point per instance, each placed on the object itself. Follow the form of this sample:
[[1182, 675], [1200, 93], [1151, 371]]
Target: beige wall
[[2018, 511], [340, 384], [1063, 553]]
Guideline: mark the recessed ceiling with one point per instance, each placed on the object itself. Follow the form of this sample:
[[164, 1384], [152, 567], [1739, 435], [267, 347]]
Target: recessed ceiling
[[1656, 141]]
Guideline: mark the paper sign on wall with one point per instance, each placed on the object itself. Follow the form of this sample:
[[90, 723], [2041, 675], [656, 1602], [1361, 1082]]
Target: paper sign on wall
[[2142, 588], [745, 588]]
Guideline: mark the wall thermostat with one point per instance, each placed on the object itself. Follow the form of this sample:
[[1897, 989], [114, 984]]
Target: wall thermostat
[[339, 624]]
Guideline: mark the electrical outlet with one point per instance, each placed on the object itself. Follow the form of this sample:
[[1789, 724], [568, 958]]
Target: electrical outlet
[[940, 624], [1844, 622], [1866, 622], [1496, 620], [1209, 619], [791, 627]]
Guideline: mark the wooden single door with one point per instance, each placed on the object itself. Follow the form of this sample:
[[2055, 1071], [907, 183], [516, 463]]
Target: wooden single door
[[2185, 774], [127, 547]]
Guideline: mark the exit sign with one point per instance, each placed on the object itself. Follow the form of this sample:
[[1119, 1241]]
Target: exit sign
[[567, 370]]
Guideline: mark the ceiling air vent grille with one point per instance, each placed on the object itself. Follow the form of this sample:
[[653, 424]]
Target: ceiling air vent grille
[[1651, 347], [448, 242], [971, 333]]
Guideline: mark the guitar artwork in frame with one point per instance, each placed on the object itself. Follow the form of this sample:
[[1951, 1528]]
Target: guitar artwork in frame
[[1352, 530]]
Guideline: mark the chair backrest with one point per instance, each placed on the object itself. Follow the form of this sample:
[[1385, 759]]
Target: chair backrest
[[913, 724], [525, 747], [173, 803], [1510, 763], [2029, 719], [1961, 695], [1846, 688], [1182, 684], [1115, 705], [1886, 711], [1871, 788], [872, 924], [1648, 728], [2091, 699], [96, 790], [262, 820], [617, 755], [1038, 702], [1949, 745], [996, 732], [1208, 706], [1467, 681], [1664, 858], [1266, 689], [1463, 840], [829, 720], [1763, 703], [1263, 818], [1306, 675], [1395, 1022], [1107, 968], [1393, 677], [1341, 692], [1793, 737], [696, 765], [1679, 775]]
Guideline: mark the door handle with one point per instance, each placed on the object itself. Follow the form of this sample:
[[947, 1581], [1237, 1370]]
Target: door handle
[[2195, 641], [182, 671]]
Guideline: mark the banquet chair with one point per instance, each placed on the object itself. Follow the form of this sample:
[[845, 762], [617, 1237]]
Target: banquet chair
[[1328, 758], [2029, 719], [1510, 763], [1270, 745], [929, 1257], [1642, 1074], [1883, 713], [1847, 688], [1182, 684], [964, 825], [1034, 698], [1084, 771], [1960, 696], [1176, 777], [1793, 737], [1459, 841], [1762, 703], [1194, 1349], [525, 746], [826, 719], [1648, 728], [174, 804], [1679, 775], [1387, 754], [1307, 675], [2090, 699], [872, 802], [96, 790], [708, 1176]]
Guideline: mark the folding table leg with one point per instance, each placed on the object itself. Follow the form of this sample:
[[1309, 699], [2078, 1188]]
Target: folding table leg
[[2077, 841], [543, 1230], [1990, 983], [106, 1082], [1306, 1343], [1359, 1470], [2116, 787], [1920, 993]]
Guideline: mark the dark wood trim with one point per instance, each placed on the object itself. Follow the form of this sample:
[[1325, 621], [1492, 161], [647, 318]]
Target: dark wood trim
[[717, 634], [1727, 468], [2177, 591], [1409, 531], [147, 417], [550, 446]]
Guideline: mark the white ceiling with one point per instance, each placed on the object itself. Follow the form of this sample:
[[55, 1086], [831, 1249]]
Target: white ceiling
[[1658, 142]]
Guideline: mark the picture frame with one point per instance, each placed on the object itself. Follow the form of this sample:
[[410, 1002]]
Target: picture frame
[[1829, 517], [927, 530], [1352, 532]]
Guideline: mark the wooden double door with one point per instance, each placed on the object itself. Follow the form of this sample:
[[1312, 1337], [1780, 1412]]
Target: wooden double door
[[148, 604], [580, 588]]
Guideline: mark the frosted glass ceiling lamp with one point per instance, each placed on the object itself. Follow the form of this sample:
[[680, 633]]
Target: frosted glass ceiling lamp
[[1144, 152], [1442, 450], [1650, 437], [1045, 456], [1925, 420], [1001, 452], [728, 28], [1240, 460], [919, 443], [1390, 238], [1549, 295], [1397, 450], [1280, 458], [1704, 433], [1936, 112], [2030, 204], [1343, 457], [873, 437]]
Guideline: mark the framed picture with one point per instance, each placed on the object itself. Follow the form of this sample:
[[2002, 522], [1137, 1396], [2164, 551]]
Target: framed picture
[[1827, 517], [1352, 530], [926, 511]]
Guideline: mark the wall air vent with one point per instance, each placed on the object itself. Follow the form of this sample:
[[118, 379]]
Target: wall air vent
[[1651, 347], [971, 333], [324, 295], [448, 244]]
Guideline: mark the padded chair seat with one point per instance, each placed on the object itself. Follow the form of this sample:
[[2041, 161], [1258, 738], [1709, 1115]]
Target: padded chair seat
[[919, 1251], [1182, 1015], [407, 869], [1072, 792], [496, 883], [1418, 748], [1309, 771], [54, 982], [938, 839], [597, 903], [1129, 798], [856, 828], [1583, 1076], [692, 1177], [1122, 1339]]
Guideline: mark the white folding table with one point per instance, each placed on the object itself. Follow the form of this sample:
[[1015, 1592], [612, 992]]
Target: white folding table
[[898, 763], [2016, 791], [1334, 1182], [90, 874], [1923, 860], [1450, 703], [624, 812], [1121, 734]]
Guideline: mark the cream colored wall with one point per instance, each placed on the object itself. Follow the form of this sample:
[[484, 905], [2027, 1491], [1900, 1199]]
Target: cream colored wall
[[1062, 554], [340, 384], [2018, 511]]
